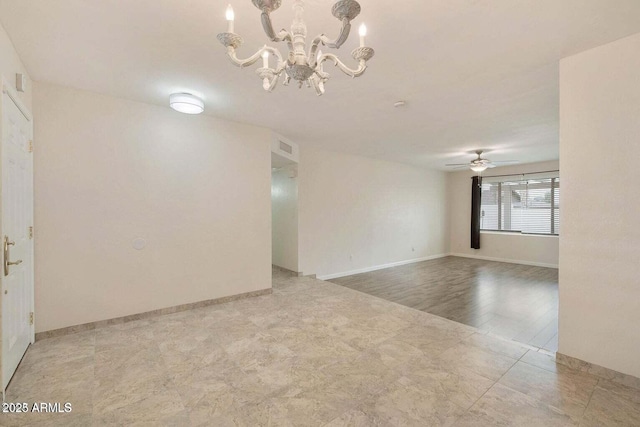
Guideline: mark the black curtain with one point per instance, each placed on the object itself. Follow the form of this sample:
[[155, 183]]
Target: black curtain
[[476, 195]]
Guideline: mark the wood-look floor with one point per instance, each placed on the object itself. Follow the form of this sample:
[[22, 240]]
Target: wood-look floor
[[518, 302]]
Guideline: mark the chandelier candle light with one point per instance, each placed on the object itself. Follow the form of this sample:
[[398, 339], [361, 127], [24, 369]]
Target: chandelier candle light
[[299, 65]]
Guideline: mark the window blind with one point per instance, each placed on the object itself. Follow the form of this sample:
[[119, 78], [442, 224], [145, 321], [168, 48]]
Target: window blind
[[530, 206]]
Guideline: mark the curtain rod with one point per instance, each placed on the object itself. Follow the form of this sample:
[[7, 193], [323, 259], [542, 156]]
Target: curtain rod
[[515, 174]]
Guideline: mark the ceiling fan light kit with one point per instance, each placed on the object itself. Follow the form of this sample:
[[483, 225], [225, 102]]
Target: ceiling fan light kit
[[304, 68], [479, 164], [479, 167]]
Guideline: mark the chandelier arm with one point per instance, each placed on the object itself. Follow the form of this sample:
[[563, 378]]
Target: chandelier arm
[[231, 52], [278, 72], [273, 82], [343, 36], [333, 44], [318, 80], [283, 35], [344, 68]]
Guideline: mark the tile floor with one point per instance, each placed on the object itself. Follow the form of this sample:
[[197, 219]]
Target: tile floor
[[311, 354]]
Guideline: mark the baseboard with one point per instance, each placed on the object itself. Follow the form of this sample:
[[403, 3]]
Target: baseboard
[[285, 270], [599, 371], [510, 261], [154, 313], [380, 267]]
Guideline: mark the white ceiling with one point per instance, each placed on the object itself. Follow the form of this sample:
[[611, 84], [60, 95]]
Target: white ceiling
[[474, 73]]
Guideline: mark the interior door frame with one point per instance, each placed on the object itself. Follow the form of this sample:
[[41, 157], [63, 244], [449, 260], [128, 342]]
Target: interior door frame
[[13, 96]]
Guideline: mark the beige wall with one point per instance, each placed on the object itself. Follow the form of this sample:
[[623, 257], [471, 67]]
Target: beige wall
[[357, 213], [523, 249], [10, 64], [284, 214], [600, 242], [108, 171]]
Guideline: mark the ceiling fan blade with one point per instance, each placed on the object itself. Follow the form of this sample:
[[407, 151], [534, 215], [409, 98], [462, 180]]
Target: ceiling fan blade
[[507, 161], [461, 167], [490, 165], [458, 164]]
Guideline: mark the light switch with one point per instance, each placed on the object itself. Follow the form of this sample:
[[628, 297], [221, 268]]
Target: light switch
[[21, 82]]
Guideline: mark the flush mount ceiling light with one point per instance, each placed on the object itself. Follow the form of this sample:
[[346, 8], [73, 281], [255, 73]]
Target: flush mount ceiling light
[[299, 65], [186, 103]]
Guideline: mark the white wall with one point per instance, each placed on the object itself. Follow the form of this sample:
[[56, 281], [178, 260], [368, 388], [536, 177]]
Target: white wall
[[10, 64], [357, 213], [524, 249], [600, 242], [284, 214], [277, 148], [108, 171]]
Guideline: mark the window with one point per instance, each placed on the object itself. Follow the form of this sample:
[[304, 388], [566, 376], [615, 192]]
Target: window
[[530, 206]]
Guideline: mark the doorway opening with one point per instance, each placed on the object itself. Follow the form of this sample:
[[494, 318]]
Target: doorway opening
[[284, 214]]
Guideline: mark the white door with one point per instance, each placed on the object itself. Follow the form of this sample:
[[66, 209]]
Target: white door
[[16, 273]]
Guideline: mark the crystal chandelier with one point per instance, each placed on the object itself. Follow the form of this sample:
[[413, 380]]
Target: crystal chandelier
[[299, 65]]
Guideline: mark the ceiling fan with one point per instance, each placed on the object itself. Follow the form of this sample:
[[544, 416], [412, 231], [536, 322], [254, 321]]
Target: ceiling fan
[[479, 164]]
